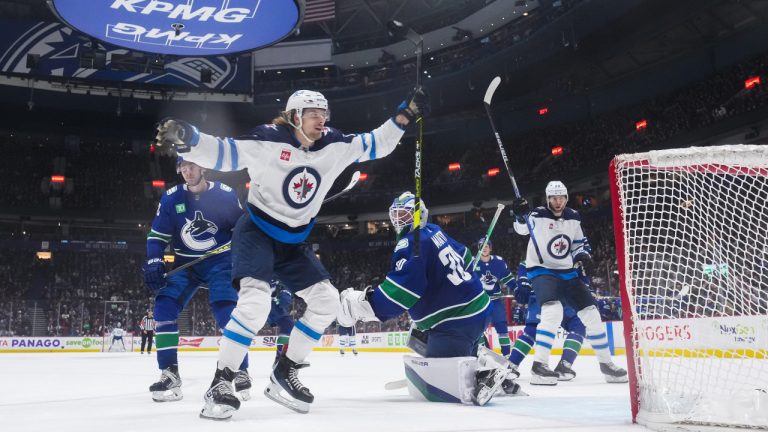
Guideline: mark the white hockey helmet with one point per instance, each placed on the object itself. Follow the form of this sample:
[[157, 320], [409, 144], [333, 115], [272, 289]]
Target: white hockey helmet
[[401, 213], [301, 99], [117, 325], [556, 188]]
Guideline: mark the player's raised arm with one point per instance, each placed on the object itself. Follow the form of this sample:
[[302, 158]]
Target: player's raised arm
[[208, 151]]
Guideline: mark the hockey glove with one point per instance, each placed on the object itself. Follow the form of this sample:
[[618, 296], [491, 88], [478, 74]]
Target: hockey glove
[[520, 209], [354, 307], [154, 274], [587, 265], [415, 105], [523, 292], [176, 134]]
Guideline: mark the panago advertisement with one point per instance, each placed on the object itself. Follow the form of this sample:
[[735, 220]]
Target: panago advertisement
[[372, 342]]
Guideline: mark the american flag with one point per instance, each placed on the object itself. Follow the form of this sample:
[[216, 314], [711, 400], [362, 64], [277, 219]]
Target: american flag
[[320, 10]]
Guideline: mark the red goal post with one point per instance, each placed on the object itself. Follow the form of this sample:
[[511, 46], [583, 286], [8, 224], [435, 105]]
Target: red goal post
[[690, 227]]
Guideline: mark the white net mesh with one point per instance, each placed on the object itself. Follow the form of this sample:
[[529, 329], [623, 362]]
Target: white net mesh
[[695, 263]]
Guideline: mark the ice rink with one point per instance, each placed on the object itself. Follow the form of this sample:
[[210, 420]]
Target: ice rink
[[108, 392]]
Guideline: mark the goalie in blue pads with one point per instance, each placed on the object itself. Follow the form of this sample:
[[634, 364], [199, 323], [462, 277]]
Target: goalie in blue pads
[[446, 303]]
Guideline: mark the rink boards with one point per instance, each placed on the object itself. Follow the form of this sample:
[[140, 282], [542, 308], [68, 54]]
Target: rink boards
[[371, 342]]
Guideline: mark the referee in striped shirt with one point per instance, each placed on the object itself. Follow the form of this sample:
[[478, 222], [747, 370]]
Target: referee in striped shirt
[[147, 332]]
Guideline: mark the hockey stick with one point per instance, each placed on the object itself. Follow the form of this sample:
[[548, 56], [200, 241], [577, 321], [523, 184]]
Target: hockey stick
[[396, 385], [208, 254], [352, 183], [488, 233], [487, 102], [397, 29]]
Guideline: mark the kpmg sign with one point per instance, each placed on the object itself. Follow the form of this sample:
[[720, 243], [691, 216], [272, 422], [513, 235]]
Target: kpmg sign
[[183, 27]]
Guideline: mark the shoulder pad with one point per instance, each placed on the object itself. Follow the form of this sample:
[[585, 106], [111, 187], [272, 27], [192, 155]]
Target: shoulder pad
[[267, 132], [172, 190], [225, 188], [570, 213], [402, 244]]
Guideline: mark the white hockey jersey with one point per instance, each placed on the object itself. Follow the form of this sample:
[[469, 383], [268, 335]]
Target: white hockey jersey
[[288, 184], [117, 332], [560, 240]]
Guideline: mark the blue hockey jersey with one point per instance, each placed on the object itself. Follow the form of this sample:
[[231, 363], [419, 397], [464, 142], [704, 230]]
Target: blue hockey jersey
[[433, 287], [493, 274], [193, 223]]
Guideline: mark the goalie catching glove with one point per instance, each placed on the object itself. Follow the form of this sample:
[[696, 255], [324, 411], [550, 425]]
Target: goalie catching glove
[[176, 134], [416, 105], [355, 307]]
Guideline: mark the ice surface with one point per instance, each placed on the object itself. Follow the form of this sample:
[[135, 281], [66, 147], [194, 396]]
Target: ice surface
[[108, 392]]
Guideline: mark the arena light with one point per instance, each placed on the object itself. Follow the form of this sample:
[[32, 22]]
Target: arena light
[[557, 151], [543, 111], [44, 255], [169, 258], [363, 176], [57, 179], [752, 82], [454, 166], [642, 124], [493, 172], [158, 183]]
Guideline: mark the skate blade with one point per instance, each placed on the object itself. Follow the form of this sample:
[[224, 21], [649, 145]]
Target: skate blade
[[486, 393], [396, 385], [164, 396], [616, 380], [273, 392], [566, 377], [216, 412], [540, 380]]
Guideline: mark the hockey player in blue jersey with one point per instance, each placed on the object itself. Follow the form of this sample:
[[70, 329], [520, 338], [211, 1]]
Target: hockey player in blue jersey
[[280, 316], [445, 302], [494, 274], [557, 230], [293, 162], [571, 324], [193, 218]]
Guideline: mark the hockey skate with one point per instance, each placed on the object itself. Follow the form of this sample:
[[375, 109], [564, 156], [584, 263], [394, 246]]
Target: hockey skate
[[510, 388], [341, 351], [168, 389], [487, 382], [285, 378], [564, 371], [541, 374], [243, 384], [484, 355], [220, 399], [354, 351], [613, 373]]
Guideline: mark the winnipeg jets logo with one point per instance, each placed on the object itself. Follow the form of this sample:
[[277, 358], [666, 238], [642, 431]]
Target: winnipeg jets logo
[[300, 186], [560, 246], [198, 233]]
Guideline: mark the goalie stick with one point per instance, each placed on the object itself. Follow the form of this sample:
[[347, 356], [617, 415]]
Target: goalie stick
[[487, 102], [473, 263], [228, 246]]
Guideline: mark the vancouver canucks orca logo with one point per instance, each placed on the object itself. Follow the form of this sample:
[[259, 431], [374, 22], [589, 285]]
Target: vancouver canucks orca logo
[[198, 233], [300, 186], [560, 246], [488, 280]]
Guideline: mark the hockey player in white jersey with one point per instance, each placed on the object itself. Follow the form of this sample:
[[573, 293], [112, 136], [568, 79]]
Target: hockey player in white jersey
[[293, 162], [557, 230], [117, 335]]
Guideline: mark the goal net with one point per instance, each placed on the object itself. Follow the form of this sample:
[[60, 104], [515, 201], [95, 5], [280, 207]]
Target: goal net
[[691, 245]]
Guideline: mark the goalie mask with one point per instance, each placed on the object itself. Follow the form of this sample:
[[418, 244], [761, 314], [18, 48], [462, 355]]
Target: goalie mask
[[401, 213]]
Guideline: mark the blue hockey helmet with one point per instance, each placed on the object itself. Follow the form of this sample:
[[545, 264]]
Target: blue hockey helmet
[[482, 240], [401, 213]]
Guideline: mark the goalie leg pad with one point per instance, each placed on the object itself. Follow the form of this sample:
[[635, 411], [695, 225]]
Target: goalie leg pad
[[450, 379]]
